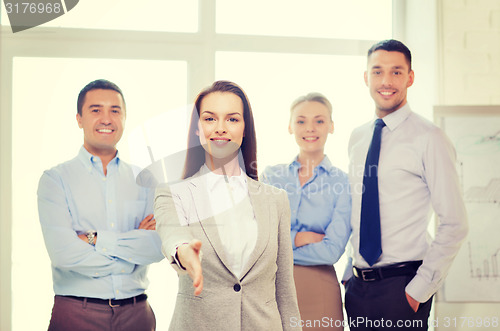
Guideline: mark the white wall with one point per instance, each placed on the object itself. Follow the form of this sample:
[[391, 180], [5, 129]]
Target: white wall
[[455, 46], [468, 35], [469, 66], [470, 52]]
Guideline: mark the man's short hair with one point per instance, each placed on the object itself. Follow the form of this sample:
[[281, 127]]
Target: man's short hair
[[99, 84], [392, 45]]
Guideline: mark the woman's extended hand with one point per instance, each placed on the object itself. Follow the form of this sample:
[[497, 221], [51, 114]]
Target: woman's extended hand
[[189, 257], [307, 237]]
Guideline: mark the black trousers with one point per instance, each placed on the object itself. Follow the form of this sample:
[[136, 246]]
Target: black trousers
[[382, 305]]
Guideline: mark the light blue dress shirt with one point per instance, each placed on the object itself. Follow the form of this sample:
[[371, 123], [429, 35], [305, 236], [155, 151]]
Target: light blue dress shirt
[[322, 205], [75, 197]]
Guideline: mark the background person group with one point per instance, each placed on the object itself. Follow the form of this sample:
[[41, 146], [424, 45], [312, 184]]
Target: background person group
[[244, 250]]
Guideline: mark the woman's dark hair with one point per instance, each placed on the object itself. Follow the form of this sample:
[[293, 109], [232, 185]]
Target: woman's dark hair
[[195, 156]]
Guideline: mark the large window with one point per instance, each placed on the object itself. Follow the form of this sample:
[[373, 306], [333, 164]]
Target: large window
[[45, 133], [144, 15], [272, 81], [360, 19], [162, 53]]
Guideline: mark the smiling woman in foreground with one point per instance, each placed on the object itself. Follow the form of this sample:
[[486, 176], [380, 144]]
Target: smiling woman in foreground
[[244, 280]]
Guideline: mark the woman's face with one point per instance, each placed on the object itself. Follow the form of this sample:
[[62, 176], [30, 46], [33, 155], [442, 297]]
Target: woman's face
[[221, 127], [311, 124]]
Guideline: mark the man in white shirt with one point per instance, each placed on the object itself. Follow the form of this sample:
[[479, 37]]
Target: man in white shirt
[[399, 266]]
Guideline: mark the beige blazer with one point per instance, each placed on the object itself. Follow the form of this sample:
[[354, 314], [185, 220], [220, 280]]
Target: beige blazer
[[264, 297]]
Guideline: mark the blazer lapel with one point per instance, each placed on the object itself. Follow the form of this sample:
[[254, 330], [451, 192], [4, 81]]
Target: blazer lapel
[[261, 210], [206, 218], [199, 193]]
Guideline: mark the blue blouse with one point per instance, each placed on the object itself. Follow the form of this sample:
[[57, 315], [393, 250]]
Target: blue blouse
[[322, 205]]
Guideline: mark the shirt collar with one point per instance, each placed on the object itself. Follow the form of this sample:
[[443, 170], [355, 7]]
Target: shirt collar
[[394, 119], [89, 160], [325, 164], [214, 180], [295, 164]]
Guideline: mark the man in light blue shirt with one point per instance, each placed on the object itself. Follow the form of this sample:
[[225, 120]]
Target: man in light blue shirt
[[98, 225]]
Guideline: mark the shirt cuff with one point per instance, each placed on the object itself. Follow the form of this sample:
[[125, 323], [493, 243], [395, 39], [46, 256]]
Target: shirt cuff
[[419, 289], [174, 255], [106, 243], [176, 263]]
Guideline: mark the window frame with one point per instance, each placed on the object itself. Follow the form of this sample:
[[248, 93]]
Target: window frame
[[197, 49]]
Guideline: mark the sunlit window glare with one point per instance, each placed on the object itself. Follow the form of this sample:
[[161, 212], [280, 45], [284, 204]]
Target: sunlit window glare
[[144, 15], [273, 81], [49, 114], [360, 19]]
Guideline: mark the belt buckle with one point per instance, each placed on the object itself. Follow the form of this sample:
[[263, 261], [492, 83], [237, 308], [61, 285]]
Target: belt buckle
[[364, 277], [112, 305]]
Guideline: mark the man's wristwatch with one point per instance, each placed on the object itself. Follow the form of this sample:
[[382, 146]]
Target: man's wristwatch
[[91, 237]]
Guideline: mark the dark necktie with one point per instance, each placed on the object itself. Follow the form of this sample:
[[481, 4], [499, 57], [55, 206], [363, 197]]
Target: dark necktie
[[370, 246]]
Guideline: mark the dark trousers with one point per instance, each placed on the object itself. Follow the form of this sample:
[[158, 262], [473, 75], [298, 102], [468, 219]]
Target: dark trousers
[[382, 305], [69, 314]]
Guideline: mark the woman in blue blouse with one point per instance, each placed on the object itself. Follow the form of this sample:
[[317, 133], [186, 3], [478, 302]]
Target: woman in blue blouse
[[321, 207]]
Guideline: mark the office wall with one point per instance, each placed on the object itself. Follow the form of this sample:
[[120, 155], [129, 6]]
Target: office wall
[[459, 41], [469, 70], [470, 52]]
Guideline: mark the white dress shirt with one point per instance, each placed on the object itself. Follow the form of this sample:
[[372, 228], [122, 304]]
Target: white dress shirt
[[416, 170]]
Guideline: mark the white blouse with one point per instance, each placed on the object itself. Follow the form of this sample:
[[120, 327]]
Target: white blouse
[[234, 216], [233, 212]]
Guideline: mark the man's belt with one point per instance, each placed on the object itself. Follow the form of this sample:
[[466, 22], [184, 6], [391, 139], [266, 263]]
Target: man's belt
[[392, 270], [112, 302]]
